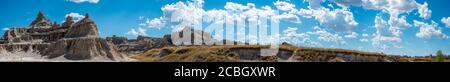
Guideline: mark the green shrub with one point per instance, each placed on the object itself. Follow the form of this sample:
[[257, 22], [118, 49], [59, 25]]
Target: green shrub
[[439, 56]]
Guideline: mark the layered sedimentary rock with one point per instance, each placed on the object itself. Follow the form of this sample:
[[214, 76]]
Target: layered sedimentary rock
[[253, 53], [140, 44], [40, 21], [324, 55], [72, 41], [84, 28], [68, 23], [83, 48], [144, 43], [203, 38]]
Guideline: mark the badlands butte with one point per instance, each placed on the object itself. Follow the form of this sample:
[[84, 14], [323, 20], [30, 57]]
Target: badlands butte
[[73, 41]]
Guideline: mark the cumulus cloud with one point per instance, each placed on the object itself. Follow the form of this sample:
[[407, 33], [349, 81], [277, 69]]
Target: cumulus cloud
[[429, 30], [424, 11], [288, 17], [393, 7], [180, 15], [216, 16], [141, 17], [292, 37], [76, 16], [352, 35], [347, 3], [383, 29], [338, 19], [389, 32], [238, 7], [289, 12], [384, 34], [249, 12], [399, 22], [137, 32], [364, 40], [155, 23], [378, 39], [82, 1], [292, 32], [365, 35], [191, 13], [446, 21], [327, 36], [5, 29], [284, 6], [315, 4], [385, 42]]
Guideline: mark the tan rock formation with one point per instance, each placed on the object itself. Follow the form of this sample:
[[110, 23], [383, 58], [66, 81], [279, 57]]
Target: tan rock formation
[[68, 22], [40, 21], [84, 28], [79, 41]]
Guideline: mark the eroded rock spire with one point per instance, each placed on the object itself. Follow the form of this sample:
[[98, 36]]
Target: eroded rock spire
[[40, 21]]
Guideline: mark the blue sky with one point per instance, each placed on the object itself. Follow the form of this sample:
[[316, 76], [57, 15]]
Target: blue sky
[[139, 17]]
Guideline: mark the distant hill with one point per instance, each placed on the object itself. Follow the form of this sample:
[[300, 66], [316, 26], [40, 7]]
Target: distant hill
[[251, 53]]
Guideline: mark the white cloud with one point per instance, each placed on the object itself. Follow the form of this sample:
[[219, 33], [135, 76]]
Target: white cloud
[[303, 39], [446, 21], [237, 7], [391, 31], [399, 22], [191, 13], [330, 5], [82, 1], [392, 28], [181, 14], [429, 30], [327, 36], [155, 23], [352, 35], [384, 34], [385, 42], [137, 32], [315, 4], [141, 17], [393, 7], [378, 39], [347, 3], [76, 16], [288, 17], [217, 16], [365, 35], [5, 29], [424, 11], [338, 19], [292, 32], [384, 29], [284, 6], [307, 13], [248, 12], [364, 40]]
